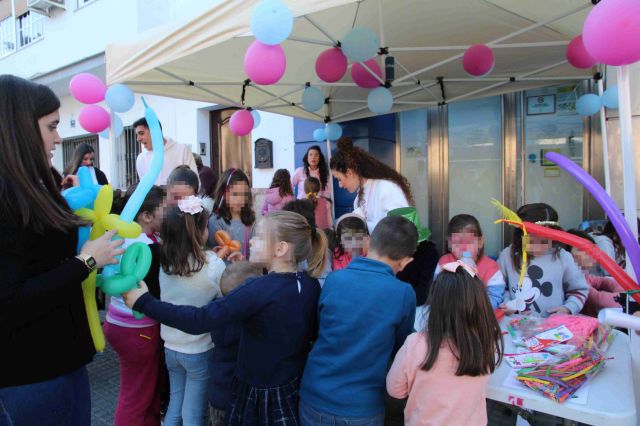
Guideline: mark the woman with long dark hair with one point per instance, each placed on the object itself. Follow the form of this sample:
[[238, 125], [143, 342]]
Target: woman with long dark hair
[[380, 188], [44, 333], [84, 155], [315, 165]]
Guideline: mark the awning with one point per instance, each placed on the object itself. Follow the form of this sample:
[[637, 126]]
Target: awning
[[201, 59]]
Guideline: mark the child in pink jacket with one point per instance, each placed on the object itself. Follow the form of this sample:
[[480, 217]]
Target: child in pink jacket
[[279, 193], [602, 290], [445, 368]]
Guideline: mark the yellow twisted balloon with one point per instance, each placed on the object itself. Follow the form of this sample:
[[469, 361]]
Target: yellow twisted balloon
[[102, 221], [510, 215]]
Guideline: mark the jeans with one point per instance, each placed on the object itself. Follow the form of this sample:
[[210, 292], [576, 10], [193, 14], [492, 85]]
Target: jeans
[[189, 381], [62, 401], [311, 417]]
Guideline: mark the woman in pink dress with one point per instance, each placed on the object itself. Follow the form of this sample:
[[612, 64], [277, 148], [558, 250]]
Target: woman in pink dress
[[315, 165]]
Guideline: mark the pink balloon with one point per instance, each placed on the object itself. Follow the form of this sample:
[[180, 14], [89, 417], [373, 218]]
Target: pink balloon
[[611, 32], [94, 118], [241, 122], [478, 60], [331, 65], [362, 77], [87, 88], [577, 55], [264, 64]]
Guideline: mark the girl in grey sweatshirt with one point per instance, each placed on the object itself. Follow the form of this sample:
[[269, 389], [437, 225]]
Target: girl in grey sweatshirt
[[553, 282]]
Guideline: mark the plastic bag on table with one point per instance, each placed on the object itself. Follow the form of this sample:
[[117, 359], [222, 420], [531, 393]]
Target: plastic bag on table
[[560, 380]]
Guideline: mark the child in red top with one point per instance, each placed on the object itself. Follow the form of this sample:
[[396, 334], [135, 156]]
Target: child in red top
[[464, 235], [602, 290], [352, 238]]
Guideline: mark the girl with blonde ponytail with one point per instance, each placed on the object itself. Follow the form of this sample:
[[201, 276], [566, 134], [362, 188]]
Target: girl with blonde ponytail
[[277, 313]]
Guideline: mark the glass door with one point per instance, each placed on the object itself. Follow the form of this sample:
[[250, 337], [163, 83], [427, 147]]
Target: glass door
[[475, 164], [551, 123]]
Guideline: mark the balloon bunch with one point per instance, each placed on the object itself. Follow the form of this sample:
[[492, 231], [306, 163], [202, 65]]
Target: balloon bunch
[[590, 103], [93, 203], [90, 90], [330, 131]]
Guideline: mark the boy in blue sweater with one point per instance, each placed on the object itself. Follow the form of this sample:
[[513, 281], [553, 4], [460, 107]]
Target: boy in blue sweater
[[365, 313]]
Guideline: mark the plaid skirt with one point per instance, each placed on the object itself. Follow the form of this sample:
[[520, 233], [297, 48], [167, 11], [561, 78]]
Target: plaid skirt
[[252, 406]]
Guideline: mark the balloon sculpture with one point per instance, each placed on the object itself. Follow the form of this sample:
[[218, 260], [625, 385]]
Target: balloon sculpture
[[226, 245], [616, 272], [93, 203], [622, 228]]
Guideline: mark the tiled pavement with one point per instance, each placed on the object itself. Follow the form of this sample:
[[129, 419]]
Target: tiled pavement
[[103, 376], [104, 380]]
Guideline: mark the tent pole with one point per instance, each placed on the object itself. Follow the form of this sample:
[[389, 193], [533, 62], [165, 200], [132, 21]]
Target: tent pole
[[498, 40], [605, 146], [327, 112], [461, 47], [381, 24], [399, 95], [310, 41], [484, 89], [279, 97], [370, 71], [315, 24], [628, 155], [417, 81], [186, 82], [266, 92]]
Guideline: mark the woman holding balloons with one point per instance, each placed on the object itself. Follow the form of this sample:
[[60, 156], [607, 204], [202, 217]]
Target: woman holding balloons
[[44, 333]]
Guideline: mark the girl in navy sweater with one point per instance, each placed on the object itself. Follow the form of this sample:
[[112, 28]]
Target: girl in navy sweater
[[277, 313]]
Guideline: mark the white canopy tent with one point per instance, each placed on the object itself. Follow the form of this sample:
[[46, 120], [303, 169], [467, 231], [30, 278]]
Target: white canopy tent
[[202, 59]]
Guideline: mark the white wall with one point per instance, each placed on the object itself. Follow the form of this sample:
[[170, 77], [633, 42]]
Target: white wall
[[72, 35], [279, 129], [181, 120]]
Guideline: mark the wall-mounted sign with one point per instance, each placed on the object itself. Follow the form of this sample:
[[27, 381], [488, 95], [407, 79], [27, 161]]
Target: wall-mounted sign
[[264, 153], [542, 104], [543, 161]]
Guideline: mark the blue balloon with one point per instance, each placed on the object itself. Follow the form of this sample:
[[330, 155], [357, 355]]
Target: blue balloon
[[83, 236], [380, 100], [271, 22], [157, 159], [312, 98], [588, 104], [256, 118], [84, 194], [104, 134], [119, 98], [360, 44], [610, 97], [318, 135], [332, 131], [117, 126]]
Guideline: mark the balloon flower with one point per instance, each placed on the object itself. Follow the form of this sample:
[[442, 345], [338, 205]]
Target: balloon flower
[[226, 245]]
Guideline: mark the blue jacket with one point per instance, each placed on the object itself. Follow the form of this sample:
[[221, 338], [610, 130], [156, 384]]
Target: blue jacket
[[364, 313], [278, 320]]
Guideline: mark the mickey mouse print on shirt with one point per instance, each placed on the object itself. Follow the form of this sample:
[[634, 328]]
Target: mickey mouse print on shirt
[[524, 297], [552, 280]]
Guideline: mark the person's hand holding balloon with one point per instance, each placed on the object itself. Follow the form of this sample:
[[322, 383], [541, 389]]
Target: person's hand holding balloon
[[132, 296]]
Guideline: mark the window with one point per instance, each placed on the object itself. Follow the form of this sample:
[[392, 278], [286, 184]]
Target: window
[[29, 28], [69, 145], [7, 37], [81, 3], [125, 150]]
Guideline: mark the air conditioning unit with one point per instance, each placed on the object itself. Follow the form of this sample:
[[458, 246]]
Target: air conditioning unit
[[45, 6]]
